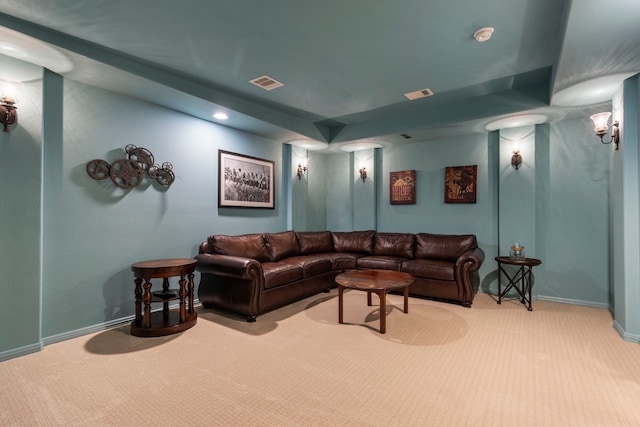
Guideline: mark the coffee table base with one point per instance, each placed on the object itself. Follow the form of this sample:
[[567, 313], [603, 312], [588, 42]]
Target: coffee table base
[[382, 295]]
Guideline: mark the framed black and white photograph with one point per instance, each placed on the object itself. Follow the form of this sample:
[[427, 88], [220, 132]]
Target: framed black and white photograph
[[245, 181]]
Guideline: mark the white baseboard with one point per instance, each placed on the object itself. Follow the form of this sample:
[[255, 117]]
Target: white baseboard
[[20, 351], [101, 326], [625, 336], [574, 302]]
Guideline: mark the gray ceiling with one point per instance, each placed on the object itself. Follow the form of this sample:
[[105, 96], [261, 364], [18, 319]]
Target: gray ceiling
[[345, 65]]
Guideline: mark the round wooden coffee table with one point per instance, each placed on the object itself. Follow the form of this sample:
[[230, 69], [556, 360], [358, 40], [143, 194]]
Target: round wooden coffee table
[[165, 322], [378, 282]]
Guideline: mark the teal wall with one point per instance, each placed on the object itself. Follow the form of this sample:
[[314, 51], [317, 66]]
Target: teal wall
[[556, 203], [20, 224], [626, 212], [68, 240], [92, 231]]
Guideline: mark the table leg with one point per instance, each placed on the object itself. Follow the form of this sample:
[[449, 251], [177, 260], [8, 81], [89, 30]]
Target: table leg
[[383, 310], [190, 291], [146, 298], [369, 298], [406, 299], [499, 283], [183, 298], [165, 304], [138, 295], [529, 284], [340, 306]]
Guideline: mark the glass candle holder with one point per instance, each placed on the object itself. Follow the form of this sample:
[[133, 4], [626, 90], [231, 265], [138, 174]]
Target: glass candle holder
[[516, 252]]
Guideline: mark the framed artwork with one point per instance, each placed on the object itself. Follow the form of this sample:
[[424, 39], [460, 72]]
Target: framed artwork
[[244, 181], [460, 184], [402, 187]]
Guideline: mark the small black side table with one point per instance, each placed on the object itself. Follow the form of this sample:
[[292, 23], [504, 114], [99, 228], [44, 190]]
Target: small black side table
[[520, 281]]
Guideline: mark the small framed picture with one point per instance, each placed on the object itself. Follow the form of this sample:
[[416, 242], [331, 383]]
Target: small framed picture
[[402, 187], [460, 184], [245, 181]]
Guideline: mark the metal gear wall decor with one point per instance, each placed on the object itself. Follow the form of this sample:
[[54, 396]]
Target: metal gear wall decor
[[128, 173]]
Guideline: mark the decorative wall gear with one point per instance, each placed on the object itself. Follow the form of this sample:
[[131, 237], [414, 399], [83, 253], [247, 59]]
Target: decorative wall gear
[[142, 156], [98, 169], [164, 175], [128, 173]]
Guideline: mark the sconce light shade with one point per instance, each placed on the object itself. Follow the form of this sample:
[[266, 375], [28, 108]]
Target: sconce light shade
[[600, 122], [363, 173], [8, 112], [516, 159], [301, 170]]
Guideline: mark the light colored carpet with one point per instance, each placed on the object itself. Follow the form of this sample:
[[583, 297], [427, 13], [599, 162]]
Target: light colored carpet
[[438, 365]]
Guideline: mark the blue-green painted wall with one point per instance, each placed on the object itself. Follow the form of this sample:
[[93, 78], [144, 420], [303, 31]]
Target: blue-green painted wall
[[92, 231], [20, 224], [626, 211]]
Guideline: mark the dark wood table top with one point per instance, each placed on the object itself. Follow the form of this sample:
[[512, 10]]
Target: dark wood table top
[[164, 267], [525, 261], [368, 280]]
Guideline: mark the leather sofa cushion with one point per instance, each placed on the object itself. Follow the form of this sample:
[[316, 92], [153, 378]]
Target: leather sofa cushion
[[430, 268], [394, 244], [246, 245], [342, 261], [280, 273], [360, 242], [444, 247], [281, 245], [312, 265], [315, 242], [380, 262]]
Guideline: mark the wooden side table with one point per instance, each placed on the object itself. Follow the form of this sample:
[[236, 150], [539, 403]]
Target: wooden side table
[[521, 281], [165, 322]]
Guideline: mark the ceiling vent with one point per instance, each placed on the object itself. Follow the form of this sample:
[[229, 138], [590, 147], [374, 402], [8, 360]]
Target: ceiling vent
[[422, 93], [266, 82]]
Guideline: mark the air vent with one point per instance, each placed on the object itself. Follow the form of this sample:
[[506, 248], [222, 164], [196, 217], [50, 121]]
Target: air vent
[[422, 93], [266, 82]]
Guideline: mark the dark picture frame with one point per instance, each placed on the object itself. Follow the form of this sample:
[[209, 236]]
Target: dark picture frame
[[245, 181], [460, 184], [402, 187]]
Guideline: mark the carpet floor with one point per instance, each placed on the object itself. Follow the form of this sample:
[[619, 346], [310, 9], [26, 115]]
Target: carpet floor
[[439, 365]]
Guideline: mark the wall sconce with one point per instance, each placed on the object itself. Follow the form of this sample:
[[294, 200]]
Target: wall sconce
[[600, 121], [363, 173], [8, 113], [516, 159], [301, 170]]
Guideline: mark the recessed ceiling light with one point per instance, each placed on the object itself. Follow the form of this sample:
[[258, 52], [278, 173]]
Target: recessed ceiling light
[[220, 116], [483, 34]]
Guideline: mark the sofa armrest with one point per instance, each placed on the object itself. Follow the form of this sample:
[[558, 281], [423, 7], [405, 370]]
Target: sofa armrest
[[466, 274], [471, 260], [231, 266]]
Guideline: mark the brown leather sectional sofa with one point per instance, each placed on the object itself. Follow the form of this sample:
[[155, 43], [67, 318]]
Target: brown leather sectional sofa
[[252, 274]]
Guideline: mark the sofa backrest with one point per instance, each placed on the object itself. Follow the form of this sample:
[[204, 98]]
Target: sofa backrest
[[394, 244], [444, 247], [281, 245], [246, 245], [360, 242], [315, 242]]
